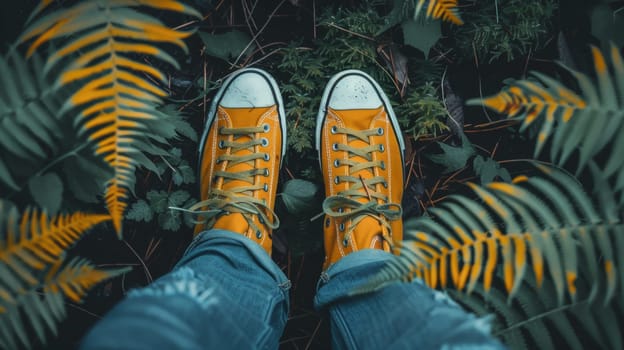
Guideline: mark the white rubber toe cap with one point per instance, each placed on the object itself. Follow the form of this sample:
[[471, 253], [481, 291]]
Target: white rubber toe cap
[[248, 89], [354, 92]]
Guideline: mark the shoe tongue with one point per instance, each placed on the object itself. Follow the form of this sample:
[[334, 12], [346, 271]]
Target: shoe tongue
[[357, 119]]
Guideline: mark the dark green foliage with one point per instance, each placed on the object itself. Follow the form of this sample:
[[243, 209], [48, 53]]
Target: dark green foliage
[[156, 207], [423, 112], [536, 321], [299, 201], [347, 39], [503, 29], [489, 170], [454, 158], [227, 45]]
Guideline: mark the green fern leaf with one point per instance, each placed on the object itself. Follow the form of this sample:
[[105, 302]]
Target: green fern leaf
[[28, 111], [587, 122], [34, 240], [532, 224], [42, 306], [115, 99]]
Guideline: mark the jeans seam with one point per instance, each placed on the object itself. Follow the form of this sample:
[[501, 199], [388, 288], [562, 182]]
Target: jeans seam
[[346, 332]]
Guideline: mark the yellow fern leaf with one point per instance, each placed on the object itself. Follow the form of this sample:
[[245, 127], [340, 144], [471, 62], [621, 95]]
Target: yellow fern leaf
[[35, 241], [116, 93], [75, 279], [587, 123], [444, 9], [547, 226], [41, 306]]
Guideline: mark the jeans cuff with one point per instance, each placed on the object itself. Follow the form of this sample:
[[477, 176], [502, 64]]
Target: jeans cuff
[[352, 275], [225, 238]]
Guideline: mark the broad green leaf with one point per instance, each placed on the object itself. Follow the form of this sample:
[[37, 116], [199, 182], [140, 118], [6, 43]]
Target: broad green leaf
[[421, 34], [453, 158], [47, 191], [170, 220], [401, 10], [5, 176], [298, 195], [85, 178], [140, 211], [227, 45], [158, 201], [488, 169], [607, 25], [177, 198], [188, 174]]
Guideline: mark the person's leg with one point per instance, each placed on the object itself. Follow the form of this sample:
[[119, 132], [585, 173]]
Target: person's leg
[[225, 292], [399, 315], [361, 152]]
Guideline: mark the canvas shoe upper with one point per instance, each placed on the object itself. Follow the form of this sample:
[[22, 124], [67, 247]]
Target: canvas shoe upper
[[361, 153], [241, 151]]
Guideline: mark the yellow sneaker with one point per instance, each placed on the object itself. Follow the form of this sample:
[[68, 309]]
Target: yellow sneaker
[[240, 155], [361, 153]]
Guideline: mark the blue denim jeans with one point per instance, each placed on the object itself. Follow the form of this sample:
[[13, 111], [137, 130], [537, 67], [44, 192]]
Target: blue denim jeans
[[227, 293]]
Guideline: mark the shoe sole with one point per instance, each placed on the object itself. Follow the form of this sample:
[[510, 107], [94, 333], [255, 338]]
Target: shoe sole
[[320, 117], [217, 99]]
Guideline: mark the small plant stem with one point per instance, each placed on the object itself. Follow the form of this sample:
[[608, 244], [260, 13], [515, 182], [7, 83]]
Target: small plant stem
[[318, 326], [350, 32], [365, 187], [537, 317], [50, 165], [62, 157], [255, 37], [148, 275]]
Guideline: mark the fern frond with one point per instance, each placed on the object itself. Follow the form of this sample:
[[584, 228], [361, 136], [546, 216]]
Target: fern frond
[[532, 224], [42, 306], [444, 9], [544, 321], [587, 122], [34, 241], [29, 129], [116, 95]]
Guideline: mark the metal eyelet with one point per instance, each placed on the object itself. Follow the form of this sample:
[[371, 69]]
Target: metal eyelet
[[337, 180], [266, 172], [380, 131], [340, 210], [381, 148], [264, 141], [266, 188], [341, 227], [385, 184], [334, 129], [260, 220], [345, 242], [382, 165], [266, 127], [221, 144], [327, 222], [336, 163], [267, 157], [258, 234], [219, 160], [335, 146]]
